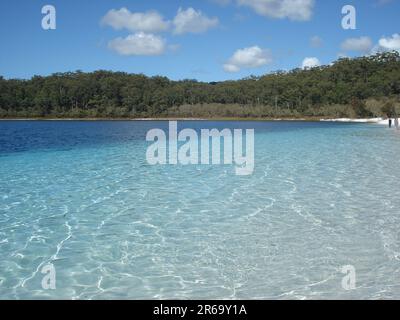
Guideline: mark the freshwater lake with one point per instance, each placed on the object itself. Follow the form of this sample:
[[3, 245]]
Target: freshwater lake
[[82, 197]]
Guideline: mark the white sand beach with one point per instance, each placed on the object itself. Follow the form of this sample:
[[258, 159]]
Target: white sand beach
[[381, 121]]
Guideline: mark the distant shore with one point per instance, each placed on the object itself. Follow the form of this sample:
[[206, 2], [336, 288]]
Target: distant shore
[[381, 121], [163, 119]]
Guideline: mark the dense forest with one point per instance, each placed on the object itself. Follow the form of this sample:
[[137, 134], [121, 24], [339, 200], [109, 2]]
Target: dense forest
[[360, 87]]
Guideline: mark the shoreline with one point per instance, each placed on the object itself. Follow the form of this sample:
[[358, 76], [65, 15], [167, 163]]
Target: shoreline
[[380, 121]]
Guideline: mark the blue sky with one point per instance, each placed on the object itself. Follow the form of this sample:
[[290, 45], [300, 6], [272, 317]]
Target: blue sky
[[202, 42]]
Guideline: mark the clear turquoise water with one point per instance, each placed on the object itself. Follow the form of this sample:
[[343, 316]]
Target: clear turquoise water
[[81, 195]]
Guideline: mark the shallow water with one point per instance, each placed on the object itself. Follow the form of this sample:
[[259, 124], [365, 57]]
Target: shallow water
[[80, 195]]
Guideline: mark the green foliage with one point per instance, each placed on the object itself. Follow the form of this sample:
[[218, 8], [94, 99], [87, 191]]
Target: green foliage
[[358, 87], [360, 108], [389, 110]]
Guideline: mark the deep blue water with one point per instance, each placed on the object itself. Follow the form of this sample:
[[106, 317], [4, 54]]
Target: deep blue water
[[18, 136], [81, 196]]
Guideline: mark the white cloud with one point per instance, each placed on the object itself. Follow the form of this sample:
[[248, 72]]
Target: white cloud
[[138, 44], [310, 62], [316, 42], [362, 44], [231, 68], [192, 21], [298, 10], [342, 55], [252, 57], [390, 43], [150, 21]]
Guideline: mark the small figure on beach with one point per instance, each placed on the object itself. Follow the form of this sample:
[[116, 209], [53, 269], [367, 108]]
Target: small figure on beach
[[396, 123], [389, 110]]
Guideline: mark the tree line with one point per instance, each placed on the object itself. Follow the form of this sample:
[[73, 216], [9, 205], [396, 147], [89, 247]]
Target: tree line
[[359, 87]]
